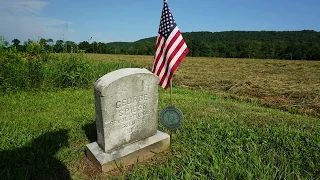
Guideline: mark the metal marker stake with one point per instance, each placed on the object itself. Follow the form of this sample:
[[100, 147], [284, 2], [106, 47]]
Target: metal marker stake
[[171, 138]]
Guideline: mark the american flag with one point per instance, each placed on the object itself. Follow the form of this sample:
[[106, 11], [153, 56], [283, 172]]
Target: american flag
[[170, 48]]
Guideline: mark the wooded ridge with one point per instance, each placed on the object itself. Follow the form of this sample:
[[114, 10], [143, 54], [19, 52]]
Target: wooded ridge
[[296, 45]]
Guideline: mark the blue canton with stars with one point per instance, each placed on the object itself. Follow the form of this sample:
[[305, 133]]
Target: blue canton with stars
[[167, 23]]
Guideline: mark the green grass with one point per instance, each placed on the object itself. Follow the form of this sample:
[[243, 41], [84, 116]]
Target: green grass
[[43, 136]]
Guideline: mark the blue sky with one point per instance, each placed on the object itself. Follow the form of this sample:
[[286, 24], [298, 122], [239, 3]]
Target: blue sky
[[128, 20]]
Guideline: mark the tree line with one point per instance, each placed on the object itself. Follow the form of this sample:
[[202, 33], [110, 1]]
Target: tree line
[[297, 45]]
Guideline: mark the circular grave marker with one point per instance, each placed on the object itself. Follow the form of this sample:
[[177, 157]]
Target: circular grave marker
[[171, 117]]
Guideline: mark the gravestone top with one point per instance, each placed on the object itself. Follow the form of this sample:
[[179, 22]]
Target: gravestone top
[[126, 104], [107, 79]]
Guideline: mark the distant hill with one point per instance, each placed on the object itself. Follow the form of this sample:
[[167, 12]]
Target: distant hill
[[263, 36], [295, 45], [239, 36], [238, 44]]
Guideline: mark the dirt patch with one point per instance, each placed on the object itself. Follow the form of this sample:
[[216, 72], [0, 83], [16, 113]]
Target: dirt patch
[[91, 172]]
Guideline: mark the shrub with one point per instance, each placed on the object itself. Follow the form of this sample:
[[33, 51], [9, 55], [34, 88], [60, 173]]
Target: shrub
[[72, 71], [37, 69], [14, 71]]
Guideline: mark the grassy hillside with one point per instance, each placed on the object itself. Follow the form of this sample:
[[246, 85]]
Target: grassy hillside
[[43, 136]]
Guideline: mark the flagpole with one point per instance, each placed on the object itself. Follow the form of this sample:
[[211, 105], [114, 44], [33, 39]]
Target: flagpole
[[171, 92], [171, 137]]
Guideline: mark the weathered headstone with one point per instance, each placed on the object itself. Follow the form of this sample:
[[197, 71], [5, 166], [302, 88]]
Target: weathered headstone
[[126, 103]]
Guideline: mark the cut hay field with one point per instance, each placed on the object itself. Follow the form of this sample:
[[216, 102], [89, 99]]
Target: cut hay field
[[288, 85]]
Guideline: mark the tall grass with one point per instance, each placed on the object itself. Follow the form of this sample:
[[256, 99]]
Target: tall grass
[[37, 69]]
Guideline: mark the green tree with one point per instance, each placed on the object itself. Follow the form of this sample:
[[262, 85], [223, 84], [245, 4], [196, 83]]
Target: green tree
[[43, 42], [49, 45], [58, 47], [85, 46], [281, 47], [16, 42], [101, 48], [94, 47], [195, 47], [71, 47], [3, 43]]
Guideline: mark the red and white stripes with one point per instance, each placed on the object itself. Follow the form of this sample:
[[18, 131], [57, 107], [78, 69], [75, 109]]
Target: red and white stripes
[[169, 54]]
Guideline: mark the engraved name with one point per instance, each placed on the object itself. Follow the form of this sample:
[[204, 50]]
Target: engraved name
[[132, 100], [131, 113]]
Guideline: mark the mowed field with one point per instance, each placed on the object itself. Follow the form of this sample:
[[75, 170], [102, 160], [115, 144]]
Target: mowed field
[[288, 85]]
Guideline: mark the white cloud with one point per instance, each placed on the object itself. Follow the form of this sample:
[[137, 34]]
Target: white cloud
[[22, 19], [32, 6]]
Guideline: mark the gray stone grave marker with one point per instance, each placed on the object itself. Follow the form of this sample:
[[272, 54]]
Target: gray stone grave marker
[[126, 103]]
